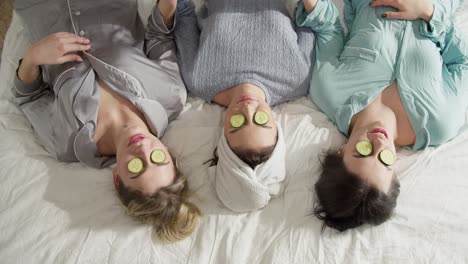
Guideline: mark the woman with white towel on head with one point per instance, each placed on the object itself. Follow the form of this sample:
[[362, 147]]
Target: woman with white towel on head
[[247, 56]]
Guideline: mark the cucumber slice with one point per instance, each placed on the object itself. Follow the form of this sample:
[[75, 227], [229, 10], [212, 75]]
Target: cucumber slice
[[158, 156], [261, 118], [387, 157], [135, 165], [237, 120], [364, 147]]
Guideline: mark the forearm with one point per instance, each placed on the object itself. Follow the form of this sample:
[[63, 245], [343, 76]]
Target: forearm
[[440, 23], [167, 10], [159, 36], [309, 5], [324, 21], [322, 18], [27, 82], [455, 58], [427, 12], [28, 70]]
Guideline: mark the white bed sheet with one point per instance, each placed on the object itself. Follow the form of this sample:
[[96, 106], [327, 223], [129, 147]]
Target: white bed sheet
[[55, 212]]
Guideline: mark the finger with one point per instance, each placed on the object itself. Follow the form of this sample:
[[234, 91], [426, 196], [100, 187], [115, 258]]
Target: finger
[[394, 15], [71, 36], [63, 34], [74, 39], [66, 48], [377, 3], [68, 58]]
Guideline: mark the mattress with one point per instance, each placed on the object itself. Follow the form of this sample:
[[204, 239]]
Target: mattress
[[56, 212]]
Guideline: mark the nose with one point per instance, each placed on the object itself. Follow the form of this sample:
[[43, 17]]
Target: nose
[[143, 150], [249, 107], [378, 144]]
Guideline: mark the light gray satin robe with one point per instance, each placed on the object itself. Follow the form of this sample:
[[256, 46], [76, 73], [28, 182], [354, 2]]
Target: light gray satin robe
[[62, 104]]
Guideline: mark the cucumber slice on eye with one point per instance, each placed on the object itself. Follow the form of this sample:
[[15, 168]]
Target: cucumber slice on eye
[[158, 156], [135, 165], [387, 157], [237, 120], [364, 148], [261, 118]]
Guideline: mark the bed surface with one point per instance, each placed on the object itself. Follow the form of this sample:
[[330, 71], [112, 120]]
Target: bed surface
[[55, 212]]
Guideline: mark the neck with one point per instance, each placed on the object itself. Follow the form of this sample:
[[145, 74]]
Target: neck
[[117, 120], [391, 98], [233, 94], [375, 115]]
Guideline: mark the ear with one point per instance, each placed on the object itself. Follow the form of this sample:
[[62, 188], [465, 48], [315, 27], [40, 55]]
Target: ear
[[174, 161], [116, 178], [340, 150]]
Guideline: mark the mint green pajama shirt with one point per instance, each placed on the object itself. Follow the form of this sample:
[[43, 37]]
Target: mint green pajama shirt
[[429, 62]]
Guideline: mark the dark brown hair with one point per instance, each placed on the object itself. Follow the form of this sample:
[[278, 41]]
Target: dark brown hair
[[254, 157], [346, 201], [168, 210], [251, 157]]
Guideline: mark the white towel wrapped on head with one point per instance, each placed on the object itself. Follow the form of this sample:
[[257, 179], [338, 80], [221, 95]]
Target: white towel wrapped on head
[[243, 189]]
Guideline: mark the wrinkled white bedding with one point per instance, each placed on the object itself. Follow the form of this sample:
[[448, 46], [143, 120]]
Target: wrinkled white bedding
[[54, 212]]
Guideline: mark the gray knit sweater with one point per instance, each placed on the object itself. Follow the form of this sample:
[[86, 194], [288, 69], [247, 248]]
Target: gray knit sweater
[[230, 42]]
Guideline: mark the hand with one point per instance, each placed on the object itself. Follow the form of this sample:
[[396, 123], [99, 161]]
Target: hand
[[167, 9], [310, 5], [407, 9], [56, 49], [53, 49]]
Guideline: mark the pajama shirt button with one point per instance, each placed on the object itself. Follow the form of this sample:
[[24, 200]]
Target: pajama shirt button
[[77, 13], [82, 33]]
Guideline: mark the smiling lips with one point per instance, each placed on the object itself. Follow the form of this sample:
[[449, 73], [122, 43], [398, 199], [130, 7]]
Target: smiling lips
[[381, 131], [135, 138]]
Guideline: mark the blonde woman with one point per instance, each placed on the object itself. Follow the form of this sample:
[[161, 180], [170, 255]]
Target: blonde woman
[[95, 90]]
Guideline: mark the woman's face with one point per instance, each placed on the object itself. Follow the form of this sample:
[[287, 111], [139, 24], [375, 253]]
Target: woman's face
[[370, 168], [250, 135], [153, 176]]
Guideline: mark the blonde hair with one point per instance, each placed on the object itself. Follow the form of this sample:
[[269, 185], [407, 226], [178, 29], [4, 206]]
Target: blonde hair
[[168, 210]]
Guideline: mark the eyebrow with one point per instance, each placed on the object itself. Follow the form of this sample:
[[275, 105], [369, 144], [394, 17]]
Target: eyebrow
[[136, 176], [360, 156], [139, 174], [237, 129]]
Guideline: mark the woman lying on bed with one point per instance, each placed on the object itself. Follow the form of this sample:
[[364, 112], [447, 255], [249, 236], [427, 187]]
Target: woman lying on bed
[[96, 98], [398, 79], [245, 55]]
